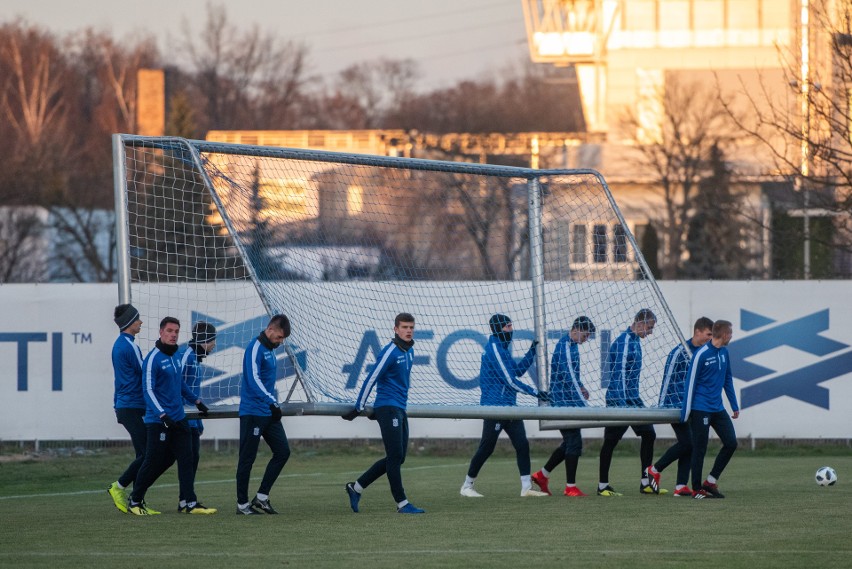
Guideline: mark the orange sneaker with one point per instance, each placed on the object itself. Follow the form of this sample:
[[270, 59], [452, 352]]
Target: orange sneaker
[[541, 481]]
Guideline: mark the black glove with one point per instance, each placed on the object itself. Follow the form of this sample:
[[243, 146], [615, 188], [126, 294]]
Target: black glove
[[169, 423], [276, 412], [371, 415], [349, 416], [534, 345], [202, 408], [543, 396]]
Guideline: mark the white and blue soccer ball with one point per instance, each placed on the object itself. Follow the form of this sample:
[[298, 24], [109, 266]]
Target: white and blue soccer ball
[[826, 476]]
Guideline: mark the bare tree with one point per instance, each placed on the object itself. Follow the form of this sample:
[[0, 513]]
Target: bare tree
[[32, 99], [491, 218], [84, 245], [693, 124], [21, 245], [372, 94], [108, 70], [812, 149], [245, 79]]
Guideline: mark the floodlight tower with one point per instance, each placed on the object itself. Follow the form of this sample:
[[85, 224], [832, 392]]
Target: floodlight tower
[[575, 32]]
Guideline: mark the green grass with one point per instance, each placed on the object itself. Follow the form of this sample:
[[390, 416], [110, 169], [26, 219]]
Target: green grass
[[56, 513]]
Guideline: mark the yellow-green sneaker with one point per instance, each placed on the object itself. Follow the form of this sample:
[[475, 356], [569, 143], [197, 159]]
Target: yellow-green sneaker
[[137, 510], [199, 509], [140, 509], [647, 489], [151, 511], [609, 491], [119, 497]]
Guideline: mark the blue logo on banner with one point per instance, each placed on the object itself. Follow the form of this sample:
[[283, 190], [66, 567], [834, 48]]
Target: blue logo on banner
[[802, 334]]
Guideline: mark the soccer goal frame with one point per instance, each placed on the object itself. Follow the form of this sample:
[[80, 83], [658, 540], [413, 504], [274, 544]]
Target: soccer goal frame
[[139, 159]]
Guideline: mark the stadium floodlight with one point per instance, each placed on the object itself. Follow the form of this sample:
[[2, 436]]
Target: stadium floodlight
[[341, 243]]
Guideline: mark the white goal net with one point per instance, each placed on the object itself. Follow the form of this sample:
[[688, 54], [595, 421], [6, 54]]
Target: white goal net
[[341, 243]]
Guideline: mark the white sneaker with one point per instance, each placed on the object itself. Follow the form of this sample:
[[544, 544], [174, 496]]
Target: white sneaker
[[469, 492], [529, 492]]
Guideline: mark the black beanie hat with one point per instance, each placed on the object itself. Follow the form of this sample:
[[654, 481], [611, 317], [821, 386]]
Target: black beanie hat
[[497, 322], [125, 315], [203, 332]]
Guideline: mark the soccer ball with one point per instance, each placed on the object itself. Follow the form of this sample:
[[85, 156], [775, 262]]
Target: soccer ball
[[826, 476]]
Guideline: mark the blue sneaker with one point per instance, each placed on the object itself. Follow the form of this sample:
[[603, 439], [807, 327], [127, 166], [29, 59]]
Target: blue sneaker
[[354, 496], [410, 509]]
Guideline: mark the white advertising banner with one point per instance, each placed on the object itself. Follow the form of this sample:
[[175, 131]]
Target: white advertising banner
[[791, 355]]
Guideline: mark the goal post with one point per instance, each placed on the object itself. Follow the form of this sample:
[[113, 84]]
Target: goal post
[[341, 243]]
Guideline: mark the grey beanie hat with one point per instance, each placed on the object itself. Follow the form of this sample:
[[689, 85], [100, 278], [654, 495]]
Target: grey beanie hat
[[125, 315]]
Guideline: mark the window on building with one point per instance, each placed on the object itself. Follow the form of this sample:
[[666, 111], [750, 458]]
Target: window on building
[[774, 15], [578, 244], [288, 199], [708, 15], [640, 15], [849, 113], [619, 244], [354, 200], [599, 244], [746, 15], [674, 15]]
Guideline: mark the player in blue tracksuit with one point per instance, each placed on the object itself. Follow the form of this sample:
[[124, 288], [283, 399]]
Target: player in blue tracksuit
[[391, 378], [671, 395], [165, 420], [499, 386], [260, 416], [202, 343], [624, 362], [128, 401], [567, 390], [708, 375]]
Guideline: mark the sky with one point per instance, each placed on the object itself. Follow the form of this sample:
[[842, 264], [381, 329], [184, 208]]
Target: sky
[[449, 39]]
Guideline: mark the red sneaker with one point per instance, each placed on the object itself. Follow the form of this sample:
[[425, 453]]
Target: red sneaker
[[573, 491], [653, 479], [712, 490], [541, 481], [684, 492]]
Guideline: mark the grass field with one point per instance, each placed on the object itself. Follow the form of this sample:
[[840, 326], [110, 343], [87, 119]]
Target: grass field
[[55, 513]]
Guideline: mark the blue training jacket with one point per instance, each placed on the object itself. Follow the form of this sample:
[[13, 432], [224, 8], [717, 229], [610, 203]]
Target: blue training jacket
[[674, 375], [709, 373], [164, 388], [624, 361], [127, 368], [260, 371], [391, 376], [565, 385], [191, 373], [498, 374]]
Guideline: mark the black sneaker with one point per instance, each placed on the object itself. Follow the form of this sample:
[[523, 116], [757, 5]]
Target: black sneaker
[[263, 505], [712, 490], [247, 511]]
